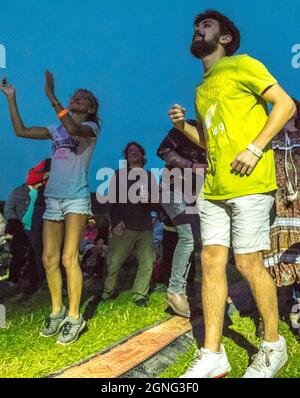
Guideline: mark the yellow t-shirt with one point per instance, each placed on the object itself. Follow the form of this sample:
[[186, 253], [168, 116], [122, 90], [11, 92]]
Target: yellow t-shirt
[[232, 112]]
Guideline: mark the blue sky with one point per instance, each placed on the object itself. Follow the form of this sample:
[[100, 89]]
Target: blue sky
[[134, 55]]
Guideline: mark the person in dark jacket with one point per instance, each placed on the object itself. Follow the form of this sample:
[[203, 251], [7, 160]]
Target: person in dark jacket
[[179, 152], [18, 250], [131, 224], [23, 212]]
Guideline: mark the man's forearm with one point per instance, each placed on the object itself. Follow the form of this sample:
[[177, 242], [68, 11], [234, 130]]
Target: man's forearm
[[172, 158], [194, 135], [279, 116]]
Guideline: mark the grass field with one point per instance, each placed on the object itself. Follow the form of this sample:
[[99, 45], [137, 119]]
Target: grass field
[[24, 354], [240, 342]]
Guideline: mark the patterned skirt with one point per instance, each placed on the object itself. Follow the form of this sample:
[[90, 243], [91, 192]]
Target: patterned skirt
[[283, 258]]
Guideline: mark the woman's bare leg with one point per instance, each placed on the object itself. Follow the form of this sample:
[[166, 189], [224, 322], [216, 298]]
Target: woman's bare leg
[[74, 224], [53, 236]]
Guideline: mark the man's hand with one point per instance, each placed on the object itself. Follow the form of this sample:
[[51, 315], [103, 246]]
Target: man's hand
[[119, 229], [245, 162], [177, 115], [49, 85], [8, 90]]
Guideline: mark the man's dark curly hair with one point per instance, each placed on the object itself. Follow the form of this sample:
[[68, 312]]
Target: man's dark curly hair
[[226, 27], [125, 151]]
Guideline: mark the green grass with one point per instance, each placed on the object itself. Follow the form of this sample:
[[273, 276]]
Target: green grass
[[23, 353], [238, 356]]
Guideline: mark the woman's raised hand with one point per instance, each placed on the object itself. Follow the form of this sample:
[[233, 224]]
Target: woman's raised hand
[[8, 90], [49, 85]]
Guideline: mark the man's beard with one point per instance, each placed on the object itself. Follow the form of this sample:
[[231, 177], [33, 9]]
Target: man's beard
[[202, 48]]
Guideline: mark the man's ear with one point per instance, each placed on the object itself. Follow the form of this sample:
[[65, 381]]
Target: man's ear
[[225, 39]]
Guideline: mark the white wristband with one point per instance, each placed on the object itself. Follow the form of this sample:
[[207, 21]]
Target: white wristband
[[256, 151]]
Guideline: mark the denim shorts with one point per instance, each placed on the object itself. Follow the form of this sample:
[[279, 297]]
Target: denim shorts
[[57, 209], [242, 222]]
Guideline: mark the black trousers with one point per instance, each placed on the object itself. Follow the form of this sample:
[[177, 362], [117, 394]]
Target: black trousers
[[18, 248]]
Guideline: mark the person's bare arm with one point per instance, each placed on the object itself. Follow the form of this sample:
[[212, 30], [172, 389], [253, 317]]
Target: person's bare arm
[[283, 110], [194, 134], [67, 120], [38, 133]]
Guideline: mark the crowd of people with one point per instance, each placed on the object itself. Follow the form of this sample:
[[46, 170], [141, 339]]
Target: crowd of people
[[249, 203]]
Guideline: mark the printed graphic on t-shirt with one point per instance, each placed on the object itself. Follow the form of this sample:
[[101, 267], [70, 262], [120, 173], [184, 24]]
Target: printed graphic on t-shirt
[[209, 115], [63, 144], [70, 163]]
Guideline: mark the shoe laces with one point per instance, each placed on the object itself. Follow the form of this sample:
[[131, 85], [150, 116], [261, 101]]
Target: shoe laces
[[199, 354], [67, 326], [48, 322], [261, 359]]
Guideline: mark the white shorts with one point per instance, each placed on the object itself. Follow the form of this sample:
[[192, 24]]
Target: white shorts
[[242, 222], [57, 209]]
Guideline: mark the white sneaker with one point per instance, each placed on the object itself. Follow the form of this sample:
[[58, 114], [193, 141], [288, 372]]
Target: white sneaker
[[208, 364], [267, 362]]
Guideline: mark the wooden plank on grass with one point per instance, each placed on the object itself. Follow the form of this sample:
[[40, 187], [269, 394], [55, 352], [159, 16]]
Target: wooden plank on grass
[[133, 352]]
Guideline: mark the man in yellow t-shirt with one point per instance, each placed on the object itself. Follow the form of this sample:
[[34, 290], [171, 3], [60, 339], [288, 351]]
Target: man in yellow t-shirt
[[235, 128]]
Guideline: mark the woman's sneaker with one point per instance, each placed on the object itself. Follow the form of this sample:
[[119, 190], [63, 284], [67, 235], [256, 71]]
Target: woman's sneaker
[[208, 365], [268, 361], [53, 323], [70, 330]]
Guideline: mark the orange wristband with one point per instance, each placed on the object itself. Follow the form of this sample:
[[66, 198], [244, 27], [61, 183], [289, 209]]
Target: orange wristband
[[62, 113]]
